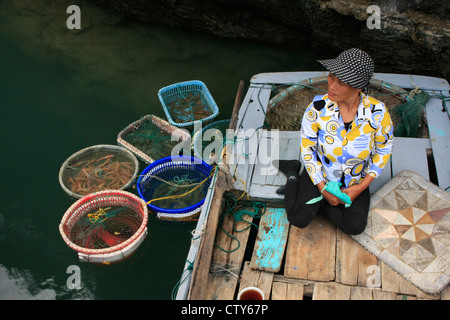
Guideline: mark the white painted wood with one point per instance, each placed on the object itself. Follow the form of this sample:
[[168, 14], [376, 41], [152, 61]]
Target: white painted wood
[[245, 148], [381, 180], [439, 129], [410, 154], [264, 192], [286, 77], [411, 81], [284, 145]]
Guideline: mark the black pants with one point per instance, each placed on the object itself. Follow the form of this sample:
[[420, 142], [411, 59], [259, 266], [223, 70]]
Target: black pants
[[350, 220]]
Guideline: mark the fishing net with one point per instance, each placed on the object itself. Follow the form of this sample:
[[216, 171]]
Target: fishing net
[[187, 102], [106, 226], [150, 138], [206, 140], [411, 113], [96, 168], [175, 187], [286, 107]]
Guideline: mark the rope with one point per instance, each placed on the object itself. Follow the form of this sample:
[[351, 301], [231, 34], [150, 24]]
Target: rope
[[190, 267], [231, 203], [101, 214], [186, 193]]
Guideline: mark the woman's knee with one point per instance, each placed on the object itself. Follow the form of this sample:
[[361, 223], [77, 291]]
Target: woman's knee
[[354, 228], [299, 219]]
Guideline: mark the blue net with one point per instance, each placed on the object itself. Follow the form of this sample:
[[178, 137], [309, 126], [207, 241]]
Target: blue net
[[175, 185]]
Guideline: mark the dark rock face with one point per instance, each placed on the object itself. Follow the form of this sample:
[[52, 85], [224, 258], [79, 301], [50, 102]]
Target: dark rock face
[[413, 35]]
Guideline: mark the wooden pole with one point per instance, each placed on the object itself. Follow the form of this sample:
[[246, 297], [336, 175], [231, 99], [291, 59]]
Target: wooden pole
[[202, 263]]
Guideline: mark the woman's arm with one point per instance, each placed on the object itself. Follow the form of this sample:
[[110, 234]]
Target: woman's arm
[[355, 190]]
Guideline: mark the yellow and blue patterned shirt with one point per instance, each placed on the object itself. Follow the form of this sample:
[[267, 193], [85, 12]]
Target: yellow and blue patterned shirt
[[329, 151]]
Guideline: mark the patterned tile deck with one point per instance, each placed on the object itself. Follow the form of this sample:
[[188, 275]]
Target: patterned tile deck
[[409, 229]]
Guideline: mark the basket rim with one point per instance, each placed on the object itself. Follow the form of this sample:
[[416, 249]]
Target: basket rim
[[112, 249], [99, 147], [166, 160], [184, 135], [196, 137], [281, 96], [205, 90]]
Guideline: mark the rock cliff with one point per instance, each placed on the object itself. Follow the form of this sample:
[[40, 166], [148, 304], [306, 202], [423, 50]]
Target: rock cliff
[[405, 36]]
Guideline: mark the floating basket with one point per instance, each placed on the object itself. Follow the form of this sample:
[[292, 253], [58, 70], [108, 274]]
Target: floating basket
[[285, 109], [209, 136], [150, 138], [97, 168], [187, 102], [105, 227], [175, 187]]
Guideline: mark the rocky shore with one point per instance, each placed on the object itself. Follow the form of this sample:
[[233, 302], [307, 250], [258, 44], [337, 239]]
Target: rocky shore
[[403, 36]]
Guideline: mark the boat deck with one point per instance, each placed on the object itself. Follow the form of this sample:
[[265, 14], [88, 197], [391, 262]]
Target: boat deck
[[317, 262]]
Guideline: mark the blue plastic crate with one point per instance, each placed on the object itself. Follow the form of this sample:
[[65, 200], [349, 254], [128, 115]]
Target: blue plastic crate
[[179, 103]]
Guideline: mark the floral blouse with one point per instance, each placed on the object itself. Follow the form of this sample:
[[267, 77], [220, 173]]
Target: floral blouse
[[329, 151]]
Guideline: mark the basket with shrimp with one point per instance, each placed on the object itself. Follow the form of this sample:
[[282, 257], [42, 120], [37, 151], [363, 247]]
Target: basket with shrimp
[[105, 227], [97, 168], [175, 187], [187, 102], [151, 138]]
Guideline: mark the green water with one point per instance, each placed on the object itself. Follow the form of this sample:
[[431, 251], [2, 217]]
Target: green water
[[64, 90]]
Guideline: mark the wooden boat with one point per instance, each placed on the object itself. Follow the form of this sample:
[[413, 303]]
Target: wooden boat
[[318, 262]]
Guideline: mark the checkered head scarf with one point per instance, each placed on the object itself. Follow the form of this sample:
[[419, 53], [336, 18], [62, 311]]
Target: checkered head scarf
[[354, 67]]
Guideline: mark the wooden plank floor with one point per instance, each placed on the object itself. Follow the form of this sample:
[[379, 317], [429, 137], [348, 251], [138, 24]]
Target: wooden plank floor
[[320, 262]]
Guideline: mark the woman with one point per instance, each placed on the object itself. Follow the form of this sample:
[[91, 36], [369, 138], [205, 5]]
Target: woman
[[346, 137]]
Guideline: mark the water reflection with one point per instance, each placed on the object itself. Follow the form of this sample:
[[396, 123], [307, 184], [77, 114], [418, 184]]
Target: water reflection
[[16, 284]]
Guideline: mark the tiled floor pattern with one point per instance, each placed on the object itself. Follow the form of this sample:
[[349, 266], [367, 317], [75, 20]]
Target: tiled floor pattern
[[409, 229]]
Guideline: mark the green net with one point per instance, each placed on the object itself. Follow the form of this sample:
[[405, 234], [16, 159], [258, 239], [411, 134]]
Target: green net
[[190, 107], [105, 227], [151, 138], [187, 102], [411, 115], [208, 136]]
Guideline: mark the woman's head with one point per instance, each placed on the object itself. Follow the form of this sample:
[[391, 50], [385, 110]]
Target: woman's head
[[339, 91], [354, 67]]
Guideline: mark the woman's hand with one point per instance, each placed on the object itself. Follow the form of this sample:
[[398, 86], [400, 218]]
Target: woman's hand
[[355, 190], [331, 198]]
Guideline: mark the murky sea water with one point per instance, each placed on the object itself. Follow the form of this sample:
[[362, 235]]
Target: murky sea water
[[64, 90]]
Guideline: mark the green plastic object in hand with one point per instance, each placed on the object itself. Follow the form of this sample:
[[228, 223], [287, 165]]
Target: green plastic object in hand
[[334, 188]]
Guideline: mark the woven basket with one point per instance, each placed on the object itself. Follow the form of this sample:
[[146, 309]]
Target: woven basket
[[187, 102], [91, 160], [200, 141], [81, 209], [285, 110], [133, 137]]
